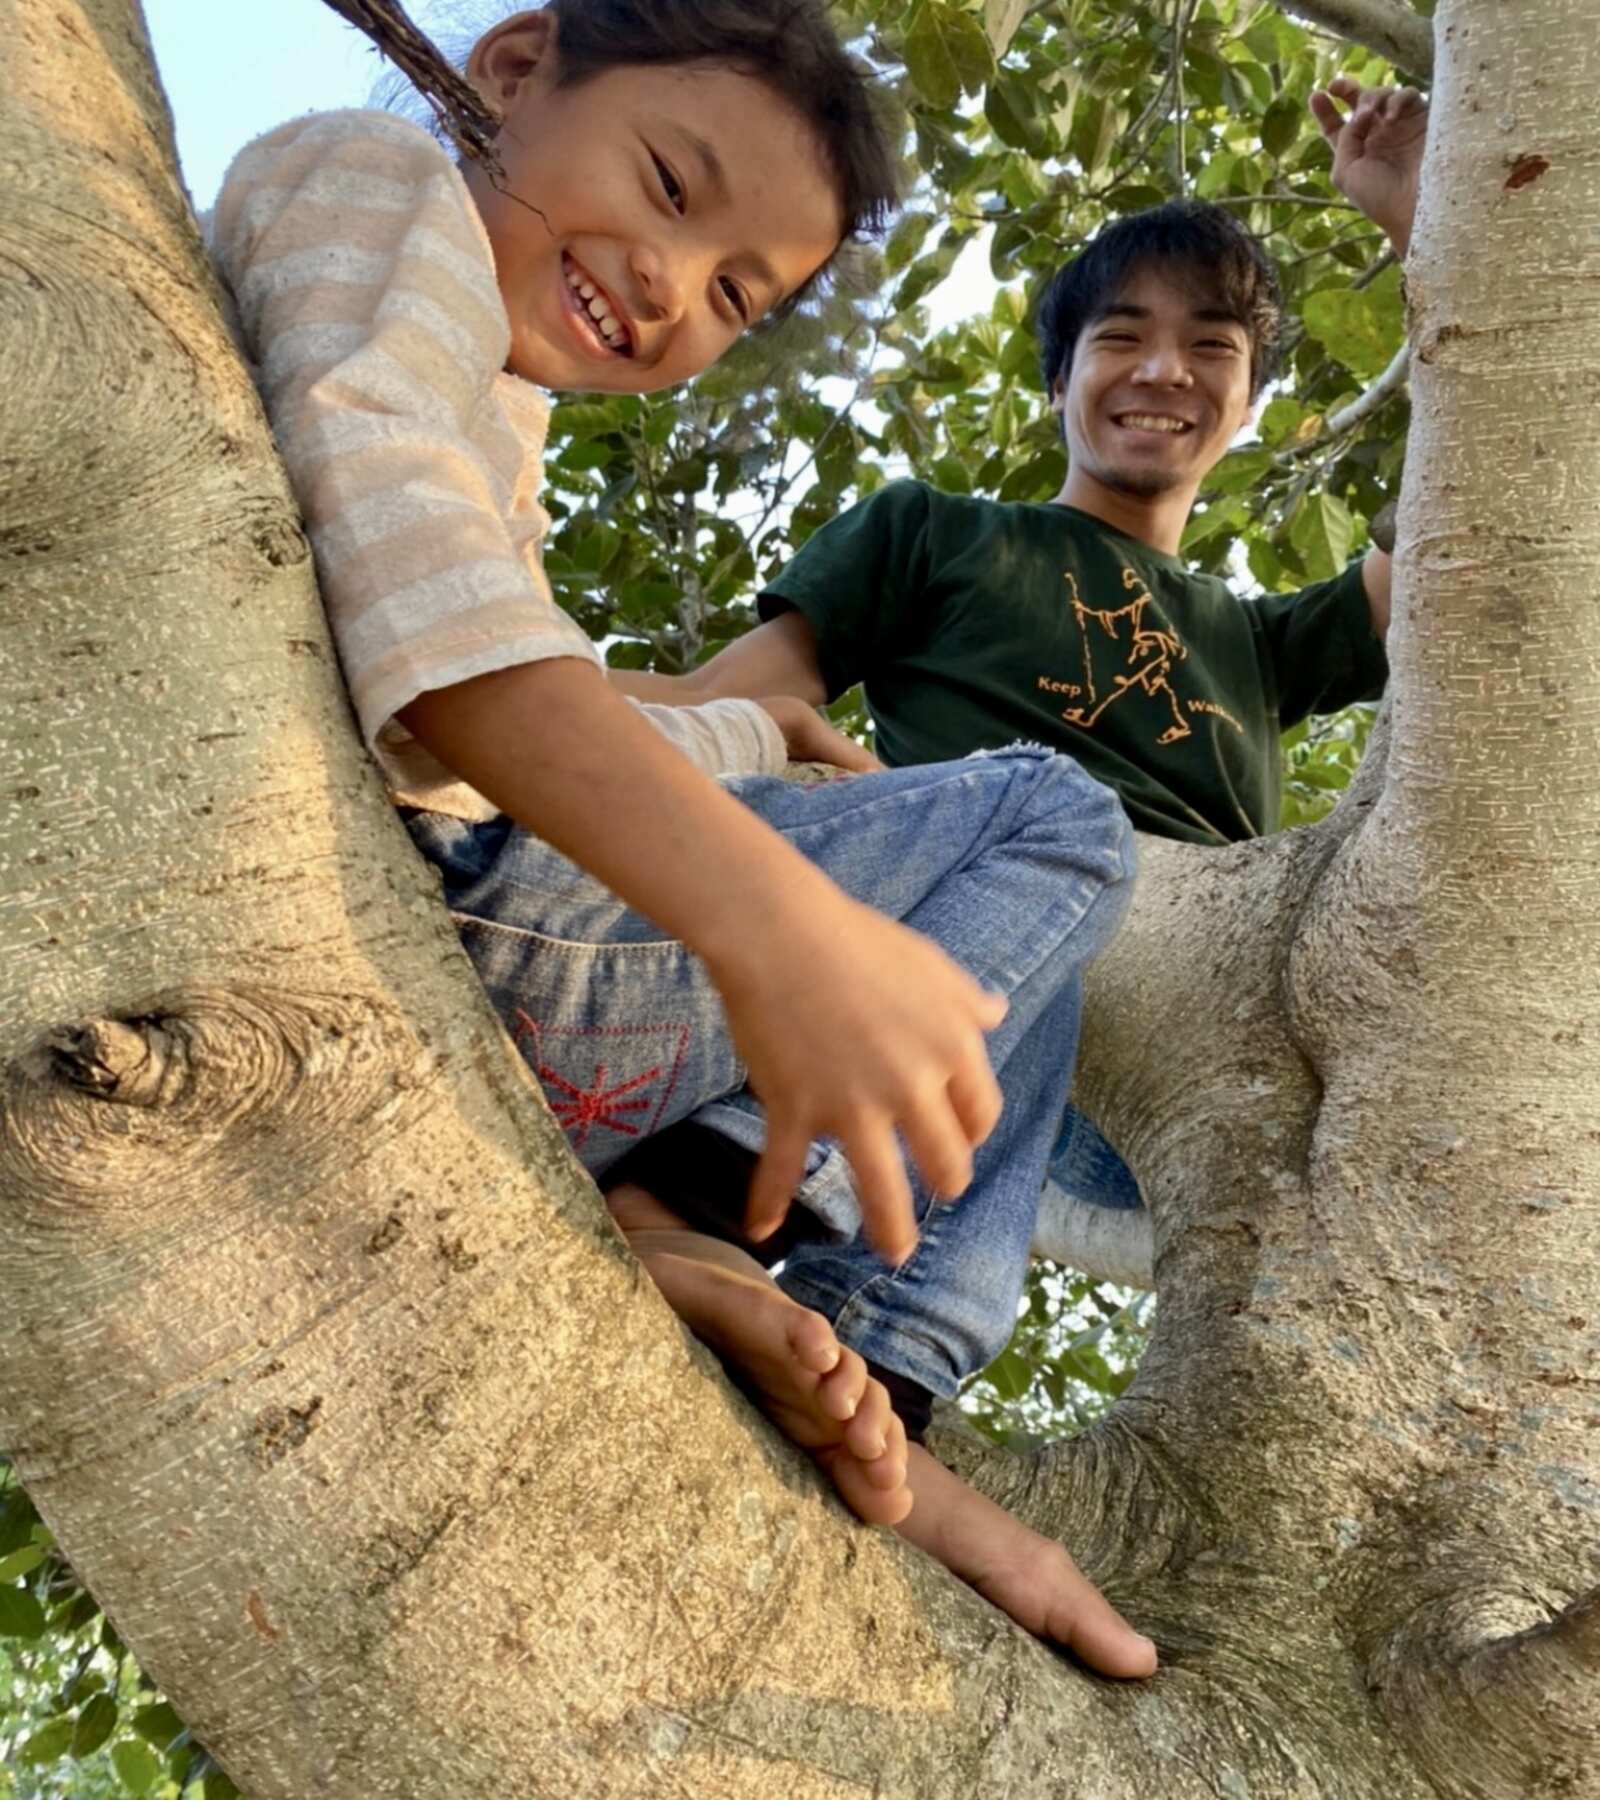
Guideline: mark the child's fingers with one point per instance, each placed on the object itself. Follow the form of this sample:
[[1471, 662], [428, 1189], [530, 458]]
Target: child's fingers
[[992, 1009], [939, 1147], [975, 1096], [882, 1187], [780, 1171]]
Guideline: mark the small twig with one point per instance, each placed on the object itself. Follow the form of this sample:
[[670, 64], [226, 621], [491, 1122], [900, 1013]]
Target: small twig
[[1389, 383], [472, 125]]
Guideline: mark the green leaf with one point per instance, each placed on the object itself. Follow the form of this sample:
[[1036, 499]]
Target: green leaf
[[1364, 328], [1216, 176], [1001, 19], [137, 1765], [17, 1521], [1239, 472], [217, 1786], [906, 240], [1323, 531], [21, 1562], [49, 1743], [1280, 421], [158, 1724], [21, 1616], [947, 54], [96, 1722], [1282, 125]]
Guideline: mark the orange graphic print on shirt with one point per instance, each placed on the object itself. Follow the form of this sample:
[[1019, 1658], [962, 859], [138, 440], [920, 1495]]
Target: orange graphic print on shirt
[[1152, 649]]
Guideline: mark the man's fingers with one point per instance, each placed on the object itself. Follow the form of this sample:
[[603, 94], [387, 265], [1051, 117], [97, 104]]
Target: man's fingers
[[848, 754], [1328, 117], [883, 1189], [778, 1174]]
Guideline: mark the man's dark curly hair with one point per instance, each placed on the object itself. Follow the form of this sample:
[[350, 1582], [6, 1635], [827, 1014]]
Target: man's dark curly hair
[[1206, 242]]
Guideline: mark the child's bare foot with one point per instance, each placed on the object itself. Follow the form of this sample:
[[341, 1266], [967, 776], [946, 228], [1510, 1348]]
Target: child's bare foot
[[815, 1391], [1024, 1574]]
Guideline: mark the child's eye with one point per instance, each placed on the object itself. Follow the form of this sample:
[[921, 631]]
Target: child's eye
[[670, 185], [736, 298]]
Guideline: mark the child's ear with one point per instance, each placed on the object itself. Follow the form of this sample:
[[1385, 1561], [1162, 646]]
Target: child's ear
[[519, 50]]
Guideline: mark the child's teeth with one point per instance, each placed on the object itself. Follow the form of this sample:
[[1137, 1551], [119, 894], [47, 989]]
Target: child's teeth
[[609, 325]]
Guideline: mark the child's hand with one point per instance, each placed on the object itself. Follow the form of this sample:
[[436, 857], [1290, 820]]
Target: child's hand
[[810, 738], [862, 1031], [1377, 150]]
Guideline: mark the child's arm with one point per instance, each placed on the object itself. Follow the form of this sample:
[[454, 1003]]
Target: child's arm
[[850, 1025], [1377, 150], [368, 301]]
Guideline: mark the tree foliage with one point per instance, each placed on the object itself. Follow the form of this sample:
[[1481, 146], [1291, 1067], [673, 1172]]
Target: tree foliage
[[1026, 126]]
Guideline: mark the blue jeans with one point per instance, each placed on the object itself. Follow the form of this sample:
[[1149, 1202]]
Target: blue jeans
[[1016, 862]]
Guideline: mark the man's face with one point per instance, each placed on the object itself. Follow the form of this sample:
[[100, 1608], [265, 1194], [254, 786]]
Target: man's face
[[1158, 387], [676, 205]]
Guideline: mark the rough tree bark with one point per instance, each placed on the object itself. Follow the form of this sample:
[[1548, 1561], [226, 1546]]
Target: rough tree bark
[[318, 1355]]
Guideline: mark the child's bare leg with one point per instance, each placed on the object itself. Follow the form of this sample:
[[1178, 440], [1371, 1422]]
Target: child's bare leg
[[1014, 1568], [813, 1389]]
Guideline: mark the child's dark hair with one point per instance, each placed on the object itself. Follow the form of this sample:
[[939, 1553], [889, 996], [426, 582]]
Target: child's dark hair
[[1205, 240]]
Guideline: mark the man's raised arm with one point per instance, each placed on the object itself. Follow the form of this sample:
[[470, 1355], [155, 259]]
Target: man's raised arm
[[1377, 161]]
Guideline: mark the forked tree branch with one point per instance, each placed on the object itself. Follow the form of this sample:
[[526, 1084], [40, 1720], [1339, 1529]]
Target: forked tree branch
[[1397, 33], [470, 123], [1519, 1702]]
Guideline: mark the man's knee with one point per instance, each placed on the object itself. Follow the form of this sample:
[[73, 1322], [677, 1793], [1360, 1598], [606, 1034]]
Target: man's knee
[[1084, 816]]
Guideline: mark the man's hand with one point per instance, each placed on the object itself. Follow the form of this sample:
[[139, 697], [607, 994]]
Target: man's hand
[[865, 1031], [810, 738], [1377, 150]]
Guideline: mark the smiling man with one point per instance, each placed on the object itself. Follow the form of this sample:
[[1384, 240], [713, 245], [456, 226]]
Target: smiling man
[[974, 623]]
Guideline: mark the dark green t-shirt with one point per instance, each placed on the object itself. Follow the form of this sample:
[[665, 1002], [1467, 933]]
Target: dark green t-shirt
[[975, 624]]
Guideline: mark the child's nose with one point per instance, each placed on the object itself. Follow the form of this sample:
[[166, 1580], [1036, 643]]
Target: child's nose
[[658, 282]]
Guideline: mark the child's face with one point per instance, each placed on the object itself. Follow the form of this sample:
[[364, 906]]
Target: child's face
[[676, 205]]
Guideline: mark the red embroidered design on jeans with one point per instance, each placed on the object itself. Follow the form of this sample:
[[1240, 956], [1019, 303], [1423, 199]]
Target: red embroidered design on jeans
[[584, 1108], [631, 1107]]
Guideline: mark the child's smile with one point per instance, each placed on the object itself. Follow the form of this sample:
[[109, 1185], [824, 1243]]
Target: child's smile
[[598, 319], [650, 213]]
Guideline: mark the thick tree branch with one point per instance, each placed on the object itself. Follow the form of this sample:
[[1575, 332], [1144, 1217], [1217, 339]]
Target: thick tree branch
[[1110, 1243], [1404, 37], [1524, 1701]]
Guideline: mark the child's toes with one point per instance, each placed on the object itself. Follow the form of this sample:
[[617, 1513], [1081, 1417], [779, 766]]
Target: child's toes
[[889, 1470], [812, 1342], [869, 1433], [840, 1392], [875, 1505]]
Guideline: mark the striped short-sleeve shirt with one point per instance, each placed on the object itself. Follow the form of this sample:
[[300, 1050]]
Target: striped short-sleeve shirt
[[366, 294]]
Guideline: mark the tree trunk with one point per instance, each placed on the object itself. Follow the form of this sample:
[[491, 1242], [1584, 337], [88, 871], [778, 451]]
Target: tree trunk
[[379, 1449]]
